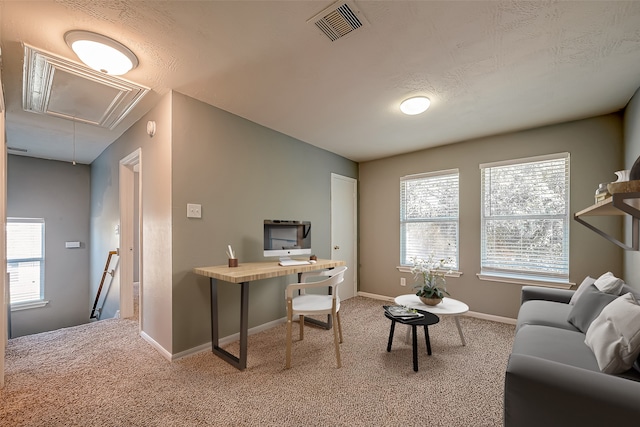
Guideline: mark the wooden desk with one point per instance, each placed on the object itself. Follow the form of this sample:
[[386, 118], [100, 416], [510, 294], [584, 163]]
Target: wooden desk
[[243, 274]]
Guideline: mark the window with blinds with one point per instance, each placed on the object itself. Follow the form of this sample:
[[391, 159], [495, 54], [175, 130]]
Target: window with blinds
[[429, 217], [25, 259], [525, 218]]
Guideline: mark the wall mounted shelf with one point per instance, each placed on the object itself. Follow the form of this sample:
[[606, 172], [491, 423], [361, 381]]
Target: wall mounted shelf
[[617, 204]]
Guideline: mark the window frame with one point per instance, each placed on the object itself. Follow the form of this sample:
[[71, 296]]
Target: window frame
[[557, 279], [36, 302], [452, 270]]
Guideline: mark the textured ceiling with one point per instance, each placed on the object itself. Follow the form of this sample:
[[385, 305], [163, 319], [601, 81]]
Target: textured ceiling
[[488, 66]]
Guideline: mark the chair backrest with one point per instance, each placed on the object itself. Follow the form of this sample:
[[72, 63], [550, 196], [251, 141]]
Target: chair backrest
[[322, 273], [336, 276]]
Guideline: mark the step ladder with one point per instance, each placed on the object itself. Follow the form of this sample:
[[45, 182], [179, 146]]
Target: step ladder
[[95, 312]]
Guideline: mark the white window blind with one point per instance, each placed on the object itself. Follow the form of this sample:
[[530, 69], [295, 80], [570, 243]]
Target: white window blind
[[25, 259], [429, 217], [525, 218]]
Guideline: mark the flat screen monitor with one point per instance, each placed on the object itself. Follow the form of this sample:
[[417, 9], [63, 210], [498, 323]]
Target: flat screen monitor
[[283, 238]]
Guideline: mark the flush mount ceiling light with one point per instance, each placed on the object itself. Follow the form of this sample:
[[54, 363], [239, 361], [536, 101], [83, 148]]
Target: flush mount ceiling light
[[101, 53], [415, 105]]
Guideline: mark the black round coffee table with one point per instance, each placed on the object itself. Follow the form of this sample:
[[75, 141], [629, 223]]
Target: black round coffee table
[[426, 320]]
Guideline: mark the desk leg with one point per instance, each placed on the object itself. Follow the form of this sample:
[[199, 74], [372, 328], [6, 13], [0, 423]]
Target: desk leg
[[460, 331], [326, 325], [241, 361], [214, 313], [244, 323]]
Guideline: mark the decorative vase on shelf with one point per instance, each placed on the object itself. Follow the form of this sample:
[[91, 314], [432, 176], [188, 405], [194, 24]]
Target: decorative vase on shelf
[[602, 192], [623, 176], [430, 301]]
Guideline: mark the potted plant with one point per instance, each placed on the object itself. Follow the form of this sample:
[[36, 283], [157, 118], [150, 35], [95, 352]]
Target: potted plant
[[430, 279]]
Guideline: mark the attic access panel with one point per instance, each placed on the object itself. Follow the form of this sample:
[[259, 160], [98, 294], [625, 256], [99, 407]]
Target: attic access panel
[[57, 87], [86, 99]]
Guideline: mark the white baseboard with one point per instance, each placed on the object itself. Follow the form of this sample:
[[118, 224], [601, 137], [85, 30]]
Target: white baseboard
[[375, 296], [235, 337], [227, 340], [475, 314], [157, 346], [192, 351], [491, 317]]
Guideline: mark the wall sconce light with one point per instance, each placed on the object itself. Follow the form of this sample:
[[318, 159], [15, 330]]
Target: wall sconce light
[[101, 53], [415, 105]]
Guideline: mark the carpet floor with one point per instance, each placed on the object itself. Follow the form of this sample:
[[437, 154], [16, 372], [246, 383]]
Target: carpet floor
[[104, 374]]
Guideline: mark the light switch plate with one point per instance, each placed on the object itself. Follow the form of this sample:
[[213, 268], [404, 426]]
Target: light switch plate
[[194, 210]]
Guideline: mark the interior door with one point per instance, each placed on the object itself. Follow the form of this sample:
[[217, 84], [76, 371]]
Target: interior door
[[344, 221]]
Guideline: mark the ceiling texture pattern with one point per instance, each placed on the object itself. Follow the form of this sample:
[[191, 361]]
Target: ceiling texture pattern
[[488, 67]]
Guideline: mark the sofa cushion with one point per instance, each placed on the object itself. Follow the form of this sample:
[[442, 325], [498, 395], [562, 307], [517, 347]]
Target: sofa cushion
[[547, 313], [614, 336], [555, 344], [588, 307], [609, 283], [636, 293], [588, 281], [626, 289]]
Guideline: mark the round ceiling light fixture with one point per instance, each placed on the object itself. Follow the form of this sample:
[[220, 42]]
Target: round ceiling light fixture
[[101, 53], [415, 105]]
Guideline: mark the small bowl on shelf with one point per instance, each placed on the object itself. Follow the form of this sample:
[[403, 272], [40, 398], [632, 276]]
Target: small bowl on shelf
[[624, 187]]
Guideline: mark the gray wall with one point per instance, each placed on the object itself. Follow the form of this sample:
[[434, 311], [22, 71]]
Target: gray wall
[[58, 192], [596, 152], [241, 173], [631, 153]]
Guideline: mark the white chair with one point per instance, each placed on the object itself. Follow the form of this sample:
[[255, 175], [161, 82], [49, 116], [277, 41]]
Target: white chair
[[304, 304]]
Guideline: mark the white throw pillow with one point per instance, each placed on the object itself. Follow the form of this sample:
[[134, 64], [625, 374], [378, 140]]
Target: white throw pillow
[[588, 281], [614, 336], [608, 283]]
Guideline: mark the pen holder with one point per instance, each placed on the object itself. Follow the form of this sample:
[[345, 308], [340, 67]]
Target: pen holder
[[233, 262]]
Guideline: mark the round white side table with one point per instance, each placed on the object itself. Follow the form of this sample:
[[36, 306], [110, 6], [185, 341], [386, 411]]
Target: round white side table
[[448, 307]]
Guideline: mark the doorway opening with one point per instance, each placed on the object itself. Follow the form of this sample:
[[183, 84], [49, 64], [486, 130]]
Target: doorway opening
[[131, 283]]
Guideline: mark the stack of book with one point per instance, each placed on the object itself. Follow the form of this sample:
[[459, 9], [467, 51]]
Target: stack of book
[[402, 312]]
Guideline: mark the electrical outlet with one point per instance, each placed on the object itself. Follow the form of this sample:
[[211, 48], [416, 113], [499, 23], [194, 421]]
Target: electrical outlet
[[194, 210], [403, 281]]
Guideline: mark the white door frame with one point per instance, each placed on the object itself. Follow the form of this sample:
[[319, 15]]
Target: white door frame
[[354, 208], [127, 176], [4, 304]]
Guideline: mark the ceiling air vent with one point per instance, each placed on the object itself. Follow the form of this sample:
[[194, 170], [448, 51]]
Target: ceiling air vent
[[338, 20]]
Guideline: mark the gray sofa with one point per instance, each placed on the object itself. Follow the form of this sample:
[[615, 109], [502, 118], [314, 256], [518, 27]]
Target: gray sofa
[[552, 376]]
